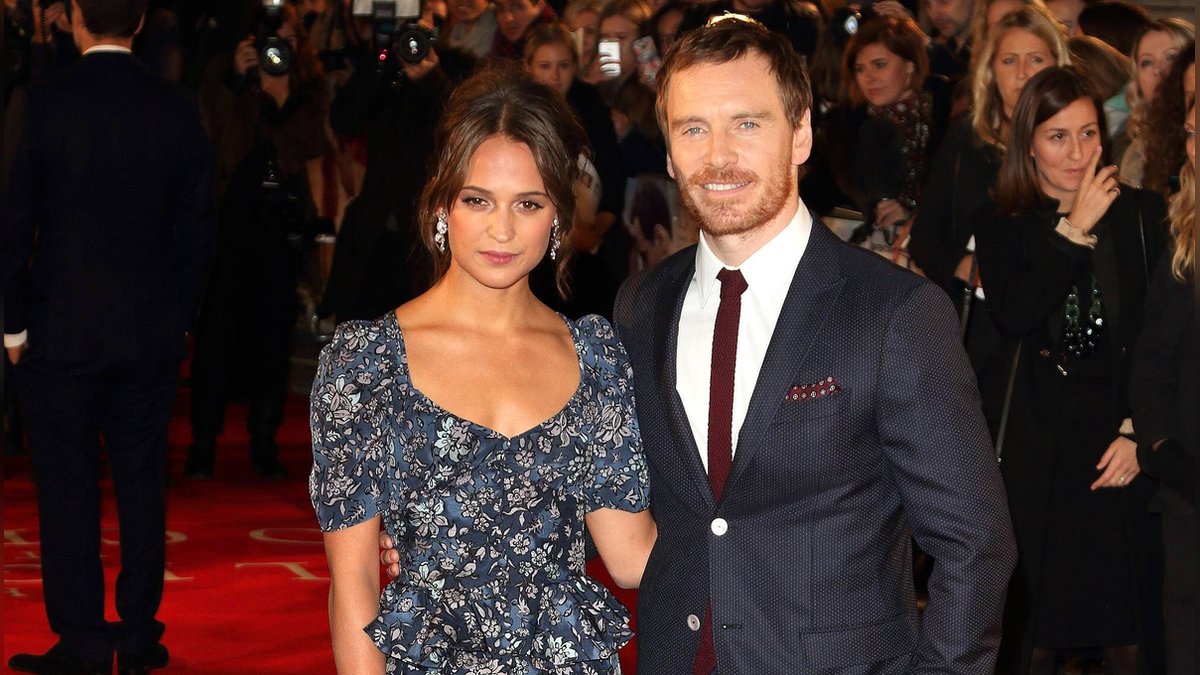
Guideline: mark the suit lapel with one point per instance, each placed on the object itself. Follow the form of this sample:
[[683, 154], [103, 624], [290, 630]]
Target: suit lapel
[[814, 290], [666, 348]]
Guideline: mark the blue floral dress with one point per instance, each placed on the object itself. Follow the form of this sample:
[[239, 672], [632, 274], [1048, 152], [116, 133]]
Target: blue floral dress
[[490, 529]]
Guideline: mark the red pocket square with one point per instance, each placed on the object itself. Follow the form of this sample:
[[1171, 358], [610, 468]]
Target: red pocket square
[[806, 392]]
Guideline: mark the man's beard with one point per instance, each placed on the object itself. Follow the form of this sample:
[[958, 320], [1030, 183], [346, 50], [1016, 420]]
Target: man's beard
[[718, 218]]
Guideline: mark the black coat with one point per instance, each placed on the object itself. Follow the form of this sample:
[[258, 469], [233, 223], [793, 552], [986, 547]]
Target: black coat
[[109, 223], [1064, 413]]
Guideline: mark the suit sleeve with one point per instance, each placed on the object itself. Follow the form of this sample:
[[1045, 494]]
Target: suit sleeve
[[19, 225], [936, 443]]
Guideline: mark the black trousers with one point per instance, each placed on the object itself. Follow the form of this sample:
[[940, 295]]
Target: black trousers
[[243, 346], [68, 409]]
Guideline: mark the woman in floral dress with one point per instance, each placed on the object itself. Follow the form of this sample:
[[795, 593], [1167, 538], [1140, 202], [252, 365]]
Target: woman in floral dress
[[480, 429]]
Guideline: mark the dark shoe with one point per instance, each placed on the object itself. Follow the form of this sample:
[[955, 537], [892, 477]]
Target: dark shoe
[[264, 455], [57, 661], [270, 469], [200, 459], [136, 664]]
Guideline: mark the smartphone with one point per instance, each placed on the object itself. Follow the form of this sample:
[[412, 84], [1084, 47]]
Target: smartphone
[[647, 58], [609, 53]]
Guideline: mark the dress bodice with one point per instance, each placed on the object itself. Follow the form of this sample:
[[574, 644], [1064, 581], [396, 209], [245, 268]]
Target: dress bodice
[[490, 528]]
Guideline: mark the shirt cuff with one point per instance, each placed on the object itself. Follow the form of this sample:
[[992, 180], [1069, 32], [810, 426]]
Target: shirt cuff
[[12, 340], [1074, 234]]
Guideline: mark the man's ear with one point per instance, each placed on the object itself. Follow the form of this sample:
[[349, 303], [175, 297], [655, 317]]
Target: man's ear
[[670, 166], [802, 140]]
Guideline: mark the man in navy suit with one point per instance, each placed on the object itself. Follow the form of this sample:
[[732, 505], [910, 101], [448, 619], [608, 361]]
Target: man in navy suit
[[806, 408], [108, 232]]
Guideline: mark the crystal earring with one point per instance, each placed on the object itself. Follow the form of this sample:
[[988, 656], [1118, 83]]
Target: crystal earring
[[439, 231], [554, 240]]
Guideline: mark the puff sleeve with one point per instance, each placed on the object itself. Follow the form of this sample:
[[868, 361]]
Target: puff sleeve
[[350, 434], [619, 479]]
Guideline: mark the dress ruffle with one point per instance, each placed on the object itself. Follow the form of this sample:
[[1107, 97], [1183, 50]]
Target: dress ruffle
[[551, 626]]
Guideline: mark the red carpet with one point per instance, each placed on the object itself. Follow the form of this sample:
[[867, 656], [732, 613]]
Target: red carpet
[[246, 581]]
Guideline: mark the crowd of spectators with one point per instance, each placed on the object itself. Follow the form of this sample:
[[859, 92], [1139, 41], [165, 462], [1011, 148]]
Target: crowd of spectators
[[917, 105]]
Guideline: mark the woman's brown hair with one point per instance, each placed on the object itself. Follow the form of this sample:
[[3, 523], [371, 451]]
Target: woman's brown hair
[[901, 37], [550, 34], [1044, 96], [505, 102]]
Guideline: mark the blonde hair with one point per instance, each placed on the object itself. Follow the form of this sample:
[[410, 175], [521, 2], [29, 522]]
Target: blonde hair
[[1183, 225], [987, 115], [979, 25], [1181, 31]]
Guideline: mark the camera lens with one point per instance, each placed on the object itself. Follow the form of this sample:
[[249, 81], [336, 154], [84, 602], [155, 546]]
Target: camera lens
[[275, 56]]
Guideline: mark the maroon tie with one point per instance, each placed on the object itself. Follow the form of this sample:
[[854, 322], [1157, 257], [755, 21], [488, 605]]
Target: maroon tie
[[720, 424], [720, 383]]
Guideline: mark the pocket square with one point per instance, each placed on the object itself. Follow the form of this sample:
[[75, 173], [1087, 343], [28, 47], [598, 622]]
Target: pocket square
[[825, 387]]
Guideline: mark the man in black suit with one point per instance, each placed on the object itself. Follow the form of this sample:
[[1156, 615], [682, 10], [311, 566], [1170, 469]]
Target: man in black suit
[[108, 230], [806, 408]]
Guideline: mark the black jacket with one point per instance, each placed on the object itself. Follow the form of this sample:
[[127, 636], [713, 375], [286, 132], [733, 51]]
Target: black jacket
[[109, 223]]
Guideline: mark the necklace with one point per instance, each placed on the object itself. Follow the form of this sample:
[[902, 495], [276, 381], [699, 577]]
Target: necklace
[[1079, 338]]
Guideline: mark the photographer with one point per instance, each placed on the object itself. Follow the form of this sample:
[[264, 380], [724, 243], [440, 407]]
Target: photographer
[[395, 106], [264, 108]]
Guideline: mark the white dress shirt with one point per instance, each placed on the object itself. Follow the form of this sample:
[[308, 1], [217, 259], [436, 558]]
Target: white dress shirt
[[768, 273]]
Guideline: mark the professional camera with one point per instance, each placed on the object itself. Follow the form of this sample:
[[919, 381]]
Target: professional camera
[[397, 34], [275, 54]]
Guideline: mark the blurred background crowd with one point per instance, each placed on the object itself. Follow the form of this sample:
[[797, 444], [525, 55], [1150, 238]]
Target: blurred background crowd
[[321, 114]]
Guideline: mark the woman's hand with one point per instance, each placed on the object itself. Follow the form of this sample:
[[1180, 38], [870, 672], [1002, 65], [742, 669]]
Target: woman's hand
[[1119, 465], [1096, 193]]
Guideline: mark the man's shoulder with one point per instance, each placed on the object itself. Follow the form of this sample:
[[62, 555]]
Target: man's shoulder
[[639, 294], [874, 281]]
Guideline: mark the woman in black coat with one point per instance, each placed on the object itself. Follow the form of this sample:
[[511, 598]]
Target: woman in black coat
[[1163, 392], [960, 180], [1065, 256]]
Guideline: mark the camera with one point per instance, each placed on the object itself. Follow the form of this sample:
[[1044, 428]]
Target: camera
[[397, 34], [275, 54]]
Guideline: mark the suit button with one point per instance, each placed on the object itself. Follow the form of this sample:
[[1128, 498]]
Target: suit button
[[693, 622], [1045, 353], [719, 526]]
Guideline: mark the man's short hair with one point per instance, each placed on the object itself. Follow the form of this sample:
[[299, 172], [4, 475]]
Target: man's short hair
[[112, 18], [730, 39]]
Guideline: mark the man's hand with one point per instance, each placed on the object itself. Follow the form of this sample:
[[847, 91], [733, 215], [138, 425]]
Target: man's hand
[[14, 353], [415, 71], [389, 557], [245, 56]]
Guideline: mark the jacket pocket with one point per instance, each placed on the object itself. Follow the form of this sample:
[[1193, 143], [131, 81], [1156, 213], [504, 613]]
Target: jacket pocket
[[861, 644]]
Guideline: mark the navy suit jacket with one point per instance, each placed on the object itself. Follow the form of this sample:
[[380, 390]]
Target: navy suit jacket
[[109, 222], [812, 569]]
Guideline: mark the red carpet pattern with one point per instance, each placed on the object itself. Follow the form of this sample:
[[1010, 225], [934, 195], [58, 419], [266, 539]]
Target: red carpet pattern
[[246, 581]]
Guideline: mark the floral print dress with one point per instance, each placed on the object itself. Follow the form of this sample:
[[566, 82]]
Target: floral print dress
[[490, 528]]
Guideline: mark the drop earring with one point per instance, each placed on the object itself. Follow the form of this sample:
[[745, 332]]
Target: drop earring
[[554, 240], [439, 231]]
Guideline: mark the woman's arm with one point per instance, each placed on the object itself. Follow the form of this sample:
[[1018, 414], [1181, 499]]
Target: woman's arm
[[354, 596], [624, 540]]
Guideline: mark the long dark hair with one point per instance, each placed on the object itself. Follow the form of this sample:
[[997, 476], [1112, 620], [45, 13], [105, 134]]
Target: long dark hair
[[505, 102], [1044, 96]]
